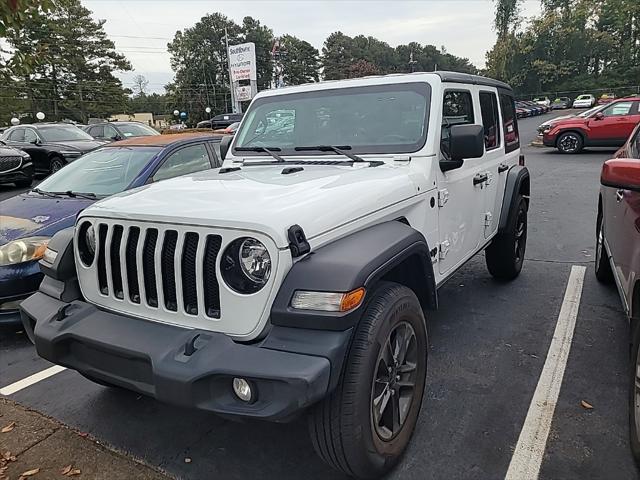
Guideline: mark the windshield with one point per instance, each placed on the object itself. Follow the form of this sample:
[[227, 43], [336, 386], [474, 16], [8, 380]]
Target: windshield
[[371, 119], [584, 97], [62, 133], [136, 130], [104, 172]]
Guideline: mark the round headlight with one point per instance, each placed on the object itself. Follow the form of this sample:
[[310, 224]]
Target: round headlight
[[87, 243], [246, 265]]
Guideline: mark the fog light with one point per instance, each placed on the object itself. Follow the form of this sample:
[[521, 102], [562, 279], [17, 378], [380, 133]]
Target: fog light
[[242, 389]]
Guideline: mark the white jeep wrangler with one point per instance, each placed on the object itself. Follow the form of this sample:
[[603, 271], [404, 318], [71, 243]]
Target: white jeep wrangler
[[297, 277]]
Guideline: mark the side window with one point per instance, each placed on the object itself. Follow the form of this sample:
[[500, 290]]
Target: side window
[[509, 123], [490, 120], [216, 149], [30, 136], [618, 109], [110, 132], [97, 131], [457, 109], [635, 146], [17, 135], [186, 160]]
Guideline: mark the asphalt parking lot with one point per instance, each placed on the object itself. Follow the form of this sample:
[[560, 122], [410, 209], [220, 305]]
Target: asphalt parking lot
[[488, 345]]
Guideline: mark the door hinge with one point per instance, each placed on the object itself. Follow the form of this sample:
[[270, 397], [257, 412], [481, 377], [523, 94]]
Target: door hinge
[[489, 179], [434, 254], [444, 249], [488, 219], [443, 197]]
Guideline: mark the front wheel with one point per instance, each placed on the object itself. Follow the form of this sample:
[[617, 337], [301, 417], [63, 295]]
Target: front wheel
[[363, 427], [505, 254], [570, 142], [56, 164]]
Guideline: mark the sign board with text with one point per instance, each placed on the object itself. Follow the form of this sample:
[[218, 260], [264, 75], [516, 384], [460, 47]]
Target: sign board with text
[[242, 62], [244, 93]]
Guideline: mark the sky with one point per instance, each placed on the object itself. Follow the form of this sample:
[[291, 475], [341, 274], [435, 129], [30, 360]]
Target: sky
[[141, 29]]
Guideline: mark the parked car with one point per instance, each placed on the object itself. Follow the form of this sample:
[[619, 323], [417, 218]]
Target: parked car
[[266, 291], [544, 101], [546, 126], [618, 255], [29, 220], [530, 108], [606, 98], [50, 145], [606, 126], [220, 121], [584, 101], [114, 131], [15, 167], [561, 103]]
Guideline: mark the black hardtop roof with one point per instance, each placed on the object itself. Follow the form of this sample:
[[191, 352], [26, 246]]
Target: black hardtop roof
[[457, 77]]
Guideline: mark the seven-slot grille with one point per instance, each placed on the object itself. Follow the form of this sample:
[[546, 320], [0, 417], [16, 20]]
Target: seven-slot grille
[[159, 267], [9, 163]]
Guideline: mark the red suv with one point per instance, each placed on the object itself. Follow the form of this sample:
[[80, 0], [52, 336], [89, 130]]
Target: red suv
[[608, 126], [618, 254]]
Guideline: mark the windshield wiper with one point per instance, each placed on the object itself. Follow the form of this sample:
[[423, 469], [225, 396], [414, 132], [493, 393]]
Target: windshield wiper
[[46, 194], [72, 194], [340, 150], [271, 151]]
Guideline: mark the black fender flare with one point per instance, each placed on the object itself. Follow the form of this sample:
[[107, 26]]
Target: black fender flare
[[518, 183], [387, 251]]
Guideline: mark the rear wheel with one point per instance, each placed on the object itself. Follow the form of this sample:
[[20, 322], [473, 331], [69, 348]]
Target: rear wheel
[[56, 164], [570, 142], [363, 427], [505, 254], [603, 267]]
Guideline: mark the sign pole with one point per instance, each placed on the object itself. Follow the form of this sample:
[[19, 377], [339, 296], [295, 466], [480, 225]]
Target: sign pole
[[235, 106]]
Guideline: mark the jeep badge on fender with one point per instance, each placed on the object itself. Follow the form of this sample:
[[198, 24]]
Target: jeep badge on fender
[[300, 276]]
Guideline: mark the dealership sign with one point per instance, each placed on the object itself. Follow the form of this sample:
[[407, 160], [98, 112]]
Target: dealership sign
[[242, 62]]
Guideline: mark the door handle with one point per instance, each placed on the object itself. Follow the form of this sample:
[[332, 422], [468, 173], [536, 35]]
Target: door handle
[[619, 195], [503, 167], [480, 178]]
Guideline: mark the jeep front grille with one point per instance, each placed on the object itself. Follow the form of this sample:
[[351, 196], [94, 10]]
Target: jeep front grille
[[9, 163], [164, 268]]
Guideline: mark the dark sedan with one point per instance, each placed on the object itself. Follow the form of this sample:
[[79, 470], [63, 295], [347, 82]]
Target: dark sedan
[[15, 166], [50, 145], [220, 121], [29, 220], [114, 131]]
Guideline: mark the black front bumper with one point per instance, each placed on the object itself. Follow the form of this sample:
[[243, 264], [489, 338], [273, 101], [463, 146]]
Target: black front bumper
[[25, 172], [290, 368]]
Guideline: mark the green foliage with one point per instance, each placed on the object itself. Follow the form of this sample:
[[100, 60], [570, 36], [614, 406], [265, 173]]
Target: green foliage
[[346, 57], [300, 61], [14, 13], [574, 45]]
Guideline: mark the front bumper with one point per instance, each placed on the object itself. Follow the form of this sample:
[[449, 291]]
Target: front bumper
[[290, 368], [17, 282], [25, 172], [549, 140]]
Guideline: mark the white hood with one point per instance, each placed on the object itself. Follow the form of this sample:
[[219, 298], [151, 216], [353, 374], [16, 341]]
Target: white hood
[[261, 198]]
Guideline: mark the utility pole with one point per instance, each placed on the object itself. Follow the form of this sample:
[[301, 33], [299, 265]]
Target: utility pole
[[237, 108]]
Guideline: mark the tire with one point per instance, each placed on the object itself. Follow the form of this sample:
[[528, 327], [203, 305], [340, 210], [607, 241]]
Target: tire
[[604, 274], [634, 395], [24, 183], [505, 255], [56, 164], [345, 430], [570, 142]]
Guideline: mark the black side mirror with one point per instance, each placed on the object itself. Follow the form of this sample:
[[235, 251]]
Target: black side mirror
[[465, 141], [224, 145], [116, 138], [35, 141]]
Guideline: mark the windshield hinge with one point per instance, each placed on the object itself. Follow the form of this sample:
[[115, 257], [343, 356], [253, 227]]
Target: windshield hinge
[[298, 243]]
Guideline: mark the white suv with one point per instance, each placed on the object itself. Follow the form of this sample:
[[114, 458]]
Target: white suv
[[299, 276]]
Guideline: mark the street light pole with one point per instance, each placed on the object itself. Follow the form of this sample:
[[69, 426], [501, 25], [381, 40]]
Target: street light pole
[[233, 96]]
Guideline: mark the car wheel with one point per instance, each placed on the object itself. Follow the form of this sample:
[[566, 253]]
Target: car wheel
[[570, 142], [603, 267], [56, 164], [505, 255], [363, 427], [634, 395], [24, 183]]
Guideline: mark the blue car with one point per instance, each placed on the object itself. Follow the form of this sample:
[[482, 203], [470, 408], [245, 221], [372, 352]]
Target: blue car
[[29, 220]]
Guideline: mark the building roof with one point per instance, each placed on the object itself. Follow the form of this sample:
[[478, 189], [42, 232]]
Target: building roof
[[163, 140]]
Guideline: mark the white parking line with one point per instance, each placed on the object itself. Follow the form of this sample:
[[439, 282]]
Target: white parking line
[[527, 457], [30, 380]]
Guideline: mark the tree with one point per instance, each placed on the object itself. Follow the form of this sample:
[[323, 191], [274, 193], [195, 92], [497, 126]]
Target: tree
[[14, 13], [362, 68], [262, 37], [140, 84], [300, 61]]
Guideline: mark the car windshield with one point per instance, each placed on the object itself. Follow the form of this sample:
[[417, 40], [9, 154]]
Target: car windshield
[[136, 130], [371, 119], [584, 97], [103, 172], [62, 133]]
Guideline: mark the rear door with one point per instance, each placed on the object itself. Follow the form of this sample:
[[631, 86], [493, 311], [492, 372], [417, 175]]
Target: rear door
[[619, 120], [494, 153]]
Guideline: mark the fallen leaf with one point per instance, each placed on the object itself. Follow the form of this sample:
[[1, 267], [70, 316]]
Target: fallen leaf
[[66, 470], [187, 460], [8, 428], [30, 473], [74, 472], [83, 434], [586, 405]]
